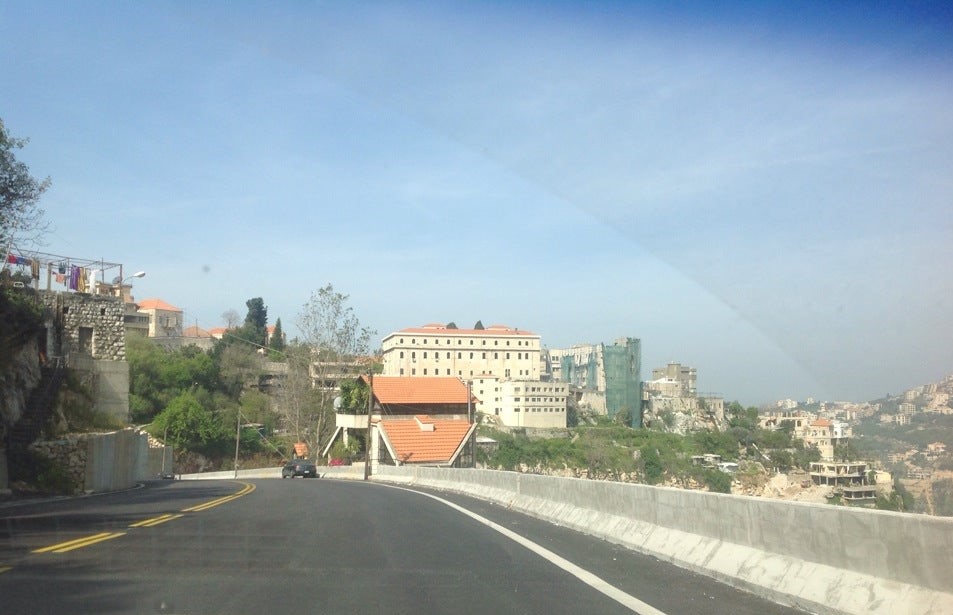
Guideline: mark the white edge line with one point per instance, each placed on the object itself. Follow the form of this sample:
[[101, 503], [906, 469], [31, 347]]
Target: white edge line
[[626, 600]]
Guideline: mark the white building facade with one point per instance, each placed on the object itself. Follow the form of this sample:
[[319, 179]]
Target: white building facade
[[435, 350], [505, 367], [522, 403]]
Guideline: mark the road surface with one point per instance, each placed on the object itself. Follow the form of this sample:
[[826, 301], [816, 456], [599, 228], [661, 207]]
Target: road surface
[[326, 546]]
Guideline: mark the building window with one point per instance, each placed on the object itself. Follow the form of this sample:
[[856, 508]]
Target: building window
[[402, 371], [484, 355], [496, 355], [425, 371], [401, 340], [448, 355], [413, 356], [413, 372], [448, 371], [507, 355], [401, 354], [459, 355], [471, 355], [425, 354]]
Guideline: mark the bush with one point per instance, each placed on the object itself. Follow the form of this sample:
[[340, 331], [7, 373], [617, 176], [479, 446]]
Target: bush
[[716, 481]]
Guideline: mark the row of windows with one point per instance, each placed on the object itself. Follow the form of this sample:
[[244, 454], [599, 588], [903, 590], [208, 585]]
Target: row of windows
[[436, 372], [539, 410], [413, 340], [436, 355]]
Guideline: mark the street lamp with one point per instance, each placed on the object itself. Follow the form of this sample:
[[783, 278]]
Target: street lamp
[[118, 282]]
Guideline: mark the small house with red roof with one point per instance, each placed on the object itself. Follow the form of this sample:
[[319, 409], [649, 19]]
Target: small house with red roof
[[426, 421], [165, 319]]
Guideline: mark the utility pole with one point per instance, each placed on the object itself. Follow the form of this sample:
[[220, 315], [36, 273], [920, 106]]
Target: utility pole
[[238, 438], [470, 417], [370, 408]]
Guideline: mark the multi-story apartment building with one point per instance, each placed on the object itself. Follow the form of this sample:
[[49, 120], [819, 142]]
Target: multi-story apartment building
[[606, 378], [825, 435], [436, 350], [674, 380], [522, 403]]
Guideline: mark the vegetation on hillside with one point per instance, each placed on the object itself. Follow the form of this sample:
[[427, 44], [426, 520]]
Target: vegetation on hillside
[[195, 399], [608, 450]]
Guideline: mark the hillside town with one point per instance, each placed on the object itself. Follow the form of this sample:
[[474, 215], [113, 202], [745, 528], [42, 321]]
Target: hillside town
[[467, 383]]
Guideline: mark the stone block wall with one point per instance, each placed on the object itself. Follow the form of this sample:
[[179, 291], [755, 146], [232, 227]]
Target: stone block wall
[[73, 311]]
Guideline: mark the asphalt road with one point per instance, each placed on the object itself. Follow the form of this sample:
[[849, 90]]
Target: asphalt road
[[324, 546]]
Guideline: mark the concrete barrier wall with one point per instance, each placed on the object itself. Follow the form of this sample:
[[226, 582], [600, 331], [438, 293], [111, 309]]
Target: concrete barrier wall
[[822, 558], [116, 460]]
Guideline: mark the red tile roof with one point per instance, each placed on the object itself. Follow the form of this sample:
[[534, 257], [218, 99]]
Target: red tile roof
[[157, 304], [408, 390], [491, 330], [195, 332], [424, 439], [821, 423]]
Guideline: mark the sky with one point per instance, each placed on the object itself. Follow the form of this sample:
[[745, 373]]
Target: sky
[[763, 191]]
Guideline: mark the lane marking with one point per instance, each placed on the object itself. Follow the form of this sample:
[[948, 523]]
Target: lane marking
[[85, 541], [626, 600], [154, 521], [79, 543], [5, 568], [248, 488]]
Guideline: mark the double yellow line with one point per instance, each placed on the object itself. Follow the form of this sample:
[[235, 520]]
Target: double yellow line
[[86, 541], [154, 521], [79, 543], [218, 502]]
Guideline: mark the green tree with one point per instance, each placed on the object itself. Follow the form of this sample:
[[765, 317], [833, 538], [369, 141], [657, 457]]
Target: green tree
[[239, 367], [21, 219], [277, 342], [354, 396], [256, 322], [191, 426], [335, 338]]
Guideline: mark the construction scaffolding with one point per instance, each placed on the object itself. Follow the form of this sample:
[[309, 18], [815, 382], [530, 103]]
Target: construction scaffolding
[[612, 372], [623, 366]]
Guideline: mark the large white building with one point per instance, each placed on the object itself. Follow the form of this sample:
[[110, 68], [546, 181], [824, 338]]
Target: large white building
[[504, 366], [522, 403], [435, 350]]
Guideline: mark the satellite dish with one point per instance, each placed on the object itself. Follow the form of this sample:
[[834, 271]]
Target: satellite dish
[[337, 403]]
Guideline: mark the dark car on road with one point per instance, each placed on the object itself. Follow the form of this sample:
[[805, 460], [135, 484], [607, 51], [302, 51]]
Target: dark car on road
[[299, 467]]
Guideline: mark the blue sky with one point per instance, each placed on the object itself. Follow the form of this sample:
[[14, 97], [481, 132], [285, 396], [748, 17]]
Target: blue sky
[[763, 192]]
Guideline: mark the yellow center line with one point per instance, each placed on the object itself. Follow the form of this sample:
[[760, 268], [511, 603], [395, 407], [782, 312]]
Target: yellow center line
[[153, 521], [5, 568], [85, 541], [78, 543], [248, 488]]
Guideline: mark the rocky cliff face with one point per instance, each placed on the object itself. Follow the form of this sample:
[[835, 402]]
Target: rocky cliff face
[[19, 375]]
